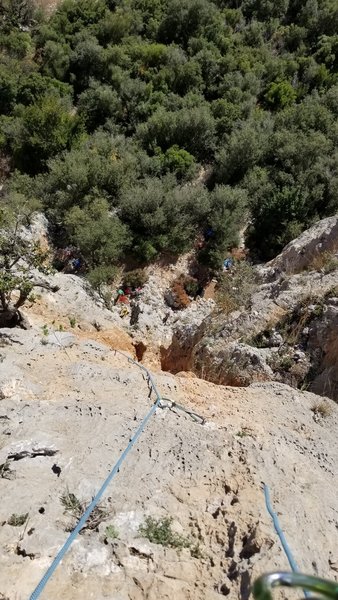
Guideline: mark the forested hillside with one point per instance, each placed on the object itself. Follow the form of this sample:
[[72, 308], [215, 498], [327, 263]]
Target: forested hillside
[[112, 109]]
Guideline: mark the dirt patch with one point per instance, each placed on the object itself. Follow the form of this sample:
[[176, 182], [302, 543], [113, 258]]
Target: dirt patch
[[209, 291]]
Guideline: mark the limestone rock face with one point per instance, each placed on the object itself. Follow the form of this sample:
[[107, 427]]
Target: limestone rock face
[[288, 333], [66, 414], [69, 404], [298, 254], [323, 345]]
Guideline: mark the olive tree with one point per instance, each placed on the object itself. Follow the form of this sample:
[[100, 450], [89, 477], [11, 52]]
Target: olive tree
[[20, 261]]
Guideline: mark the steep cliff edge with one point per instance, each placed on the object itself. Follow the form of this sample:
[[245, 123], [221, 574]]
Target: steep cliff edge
[[288, 331], [68, 408]]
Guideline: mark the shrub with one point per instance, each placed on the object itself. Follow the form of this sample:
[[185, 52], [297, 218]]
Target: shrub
[[159, 531], [39, 131], [322, 408], [179, 298], [325, 262], [235, 288], [111, 532], [135, 279], [228, 209], [190, 285], [179, 161], [191, 129], [100, 236], [280, 94], [17, 520]]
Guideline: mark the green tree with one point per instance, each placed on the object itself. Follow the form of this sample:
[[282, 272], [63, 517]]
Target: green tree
[[163, 217], [72, 16], [99, 165], [228, 214], [280, 94], [246, 146], [19, 259], [18, 14], [56, 59], [98, 103], [191, 129], [8, 90], [86, 61], [100, 235], [39, 131], [180, 162]]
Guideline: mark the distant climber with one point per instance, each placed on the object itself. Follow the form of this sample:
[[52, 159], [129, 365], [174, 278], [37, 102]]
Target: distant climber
[[227, 264], [120, 293], [209, 233], [76, 264]]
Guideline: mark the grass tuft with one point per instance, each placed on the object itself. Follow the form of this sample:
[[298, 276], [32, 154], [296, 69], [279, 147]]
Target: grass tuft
[[17, 520], [322, 408]]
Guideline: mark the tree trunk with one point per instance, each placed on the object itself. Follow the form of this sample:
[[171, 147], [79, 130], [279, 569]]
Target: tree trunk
[[12, 317]]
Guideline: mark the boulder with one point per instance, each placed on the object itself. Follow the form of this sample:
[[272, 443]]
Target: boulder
[[300, 253]]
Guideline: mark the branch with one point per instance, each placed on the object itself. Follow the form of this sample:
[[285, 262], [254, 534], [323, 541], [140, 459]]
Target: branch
[[13, 263], [22, 298], [46, 286], [3, 300]]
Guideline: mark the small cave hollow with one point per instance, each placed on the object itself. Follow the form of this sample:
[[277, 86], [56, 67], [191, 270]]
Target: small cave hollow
[[140, 350]]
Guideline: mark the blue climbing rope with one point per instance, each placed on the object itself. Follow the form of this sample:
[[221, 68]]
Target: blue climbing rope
[[281, 535], [60, 555]]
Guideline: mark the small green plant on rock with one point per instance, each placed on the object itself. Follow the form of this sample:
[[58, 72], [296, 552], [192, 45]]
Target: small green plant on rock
[[71, 503], [245, 432], [196, 551], [72, 322], [17, 520], [280, 362], [159, 531], [111, 532], [45, 330]]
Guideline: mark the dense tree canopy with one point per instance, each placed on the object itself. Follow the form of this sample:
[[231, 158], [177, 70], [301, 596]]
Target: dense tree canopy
[[111, 109]]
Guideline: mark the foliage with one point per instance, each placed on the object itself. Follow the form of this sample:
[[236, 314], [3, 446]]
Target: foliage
[[179, 161], [227, 214], [136, 278], [111, 532], [280, 95], [326, 262], [191, 129], [235, 288], [37, 132], [163, 217], [100, 235], [116, 103], [159, 531], [17, 258]]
